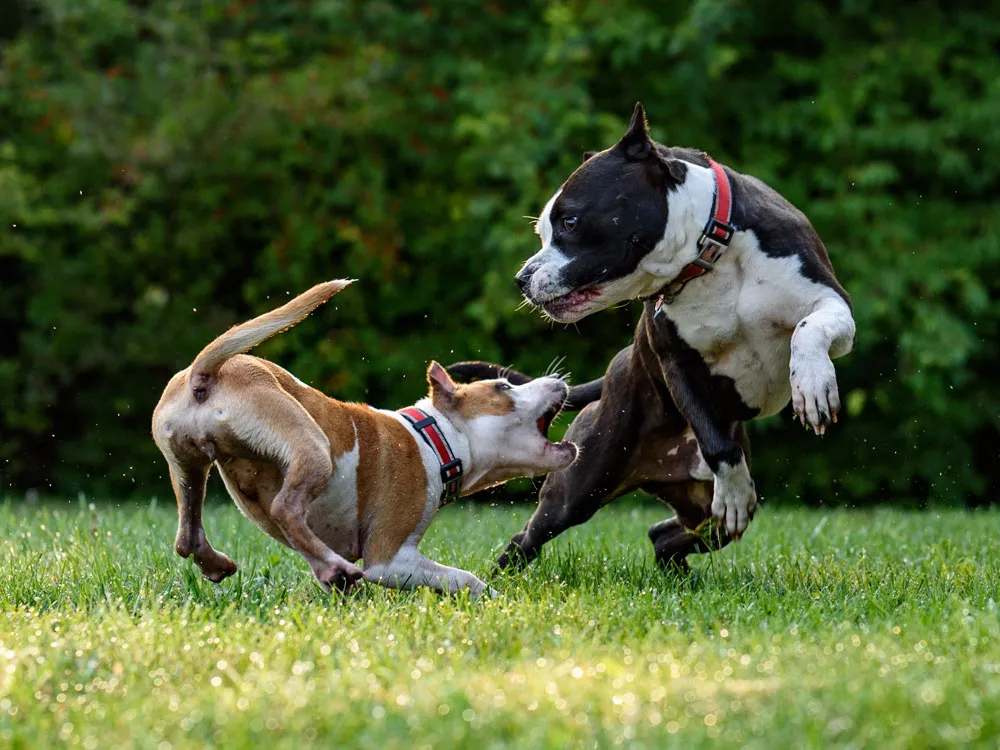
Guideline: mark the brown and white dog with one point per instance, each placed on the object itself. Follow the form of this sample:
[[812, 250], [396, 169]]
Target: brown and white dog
[[335, 481]]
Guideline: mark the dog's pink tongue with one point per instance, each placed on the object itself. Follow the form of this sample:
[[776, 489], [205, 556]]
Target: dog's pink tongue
[[541, 426]]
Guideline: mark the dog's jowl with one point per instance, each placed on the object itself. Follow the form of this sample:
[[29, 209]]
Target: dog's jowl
[[335, 481], [742, 313]]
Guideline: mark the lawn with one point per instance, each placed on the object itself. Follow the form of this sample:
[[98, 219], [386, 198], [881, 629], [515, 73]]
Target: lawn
[[819, 629]]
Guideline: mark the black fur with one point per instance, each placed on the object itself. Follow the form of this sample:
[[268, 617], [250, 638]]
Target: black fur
[[709, 403], [633, 434], [628, 439], [618, 198], [782, 230]]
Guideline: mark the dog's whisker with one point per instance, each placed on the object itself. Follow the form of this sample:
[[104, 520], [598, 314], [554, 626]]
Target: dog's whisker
[[553, 368], [525, 302]]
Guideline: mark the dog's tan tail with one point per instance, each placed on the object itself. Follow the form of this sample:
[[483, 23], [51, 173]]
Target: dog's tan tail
[[246, 336]]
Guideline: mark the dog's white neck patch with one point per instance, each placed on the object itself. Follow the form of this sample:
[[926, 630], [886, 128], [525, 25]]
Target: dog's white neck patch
[[689, 207], [543, 227]]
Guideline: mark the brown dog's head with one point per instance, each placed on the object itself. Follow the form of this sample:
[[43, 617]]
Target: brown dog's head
[[506, 425]]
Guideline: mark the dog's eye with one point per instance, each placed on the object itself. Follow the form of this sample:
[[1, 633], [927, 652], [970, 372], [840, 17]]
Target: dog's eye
[[503, 386], [569, 223]]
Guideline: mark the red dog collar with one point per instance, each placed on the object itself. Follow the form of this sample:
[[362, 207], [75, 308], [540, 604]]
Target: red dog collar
[[451, 465], [714, 240]]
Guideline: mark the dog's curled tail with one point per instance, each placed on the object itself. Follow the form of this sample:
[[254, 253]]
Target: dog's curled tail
[[579, 395], [246, 336]]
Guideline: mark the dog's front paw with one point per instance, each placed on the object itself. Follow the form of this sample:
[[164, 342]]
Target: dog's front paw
[[340, 575], [815, 397], [734, 498]]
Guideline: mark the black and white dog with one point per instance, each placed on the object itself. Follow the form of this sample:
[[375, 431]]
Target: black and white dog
[[742, 311]]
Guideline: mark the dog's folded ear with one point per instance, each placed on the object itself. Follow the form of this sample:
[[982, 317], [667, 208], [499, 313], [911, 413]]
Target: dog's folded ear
[[442, 386], [635, 144], [674, 169], [588, 154]]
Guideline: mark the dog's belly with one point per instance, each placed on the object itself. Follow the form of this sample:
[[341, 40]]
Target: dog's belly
[[665, 458], [254, 483], [333, 516]]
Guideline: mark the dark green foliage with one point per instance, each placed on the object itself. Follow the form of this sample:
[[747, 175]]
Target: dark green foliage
[[165, 173]]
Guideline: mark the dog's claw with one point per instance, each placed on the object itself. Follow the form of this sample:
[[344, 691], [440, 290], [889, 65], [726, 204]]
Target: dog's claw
[[815, 398]]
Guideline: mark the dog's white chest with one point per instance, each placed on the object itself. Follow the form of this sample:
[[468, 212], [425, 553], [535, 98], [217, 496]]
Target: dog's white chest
[[740, 318]]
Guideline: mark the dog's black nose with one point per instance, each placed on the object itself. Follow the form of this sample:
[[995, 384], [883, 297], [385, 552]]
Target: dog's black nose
[[523, 279]]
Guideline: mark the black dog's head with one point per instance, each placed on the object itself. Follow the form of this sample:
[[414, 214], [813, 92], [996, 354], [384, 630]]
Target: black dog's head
[[604, 230]]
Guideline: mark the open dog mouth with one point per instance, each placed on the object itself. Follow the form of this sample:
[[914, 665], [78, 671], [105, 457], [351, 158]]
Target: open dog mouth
[[545, 421], [571, 300]]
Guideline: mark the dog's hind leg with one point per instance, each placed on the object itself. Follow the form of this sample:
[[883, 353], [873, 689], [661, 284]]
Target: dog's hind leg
[[189, 481], [281, 429], [691, 530]]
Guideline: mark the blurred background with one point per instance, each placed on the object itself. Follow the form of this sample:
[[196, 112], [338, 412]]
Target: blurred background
[[168, 169]]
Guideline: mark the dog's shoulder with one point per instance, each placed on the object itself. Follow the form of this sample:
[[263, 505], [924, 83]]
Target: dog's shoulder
[[781, 229]]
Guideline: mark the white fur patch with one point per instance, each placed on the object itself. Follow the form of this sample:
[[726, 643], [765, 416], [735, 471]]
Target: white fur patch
[[333, 514], [545, 281], [543, 227], [699, 468], [734, 497], [739, 317], [409, 569], [825, 333]]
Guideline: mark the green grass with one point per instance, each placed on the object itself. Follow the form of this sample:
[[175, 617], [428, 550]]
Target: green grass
[[819, 629]]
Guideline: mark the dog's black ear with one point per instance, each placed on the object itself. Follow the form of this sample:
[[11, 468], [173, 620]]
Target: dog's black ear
[[635, 144], [674, 169], [588, 154]]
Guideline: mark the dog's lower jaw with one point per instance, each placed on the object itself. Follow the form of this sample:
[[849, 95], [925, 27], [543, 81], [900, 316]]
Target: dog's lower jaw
[[563, 455], [572, 306]]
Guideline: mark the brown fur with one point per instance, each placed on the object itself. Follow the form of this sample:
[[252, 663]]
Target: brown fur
[[471, 400], [482, 399], [277, 443], [392, 488], [391, 480]]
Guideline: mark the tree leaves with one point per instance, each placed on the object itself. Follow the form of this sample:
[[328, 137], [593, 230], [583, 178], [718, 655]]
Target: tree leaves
[[173, 172]]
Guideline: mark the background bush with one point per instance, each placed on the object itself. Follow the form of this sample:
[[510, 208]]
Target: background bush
[[168, 169]]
